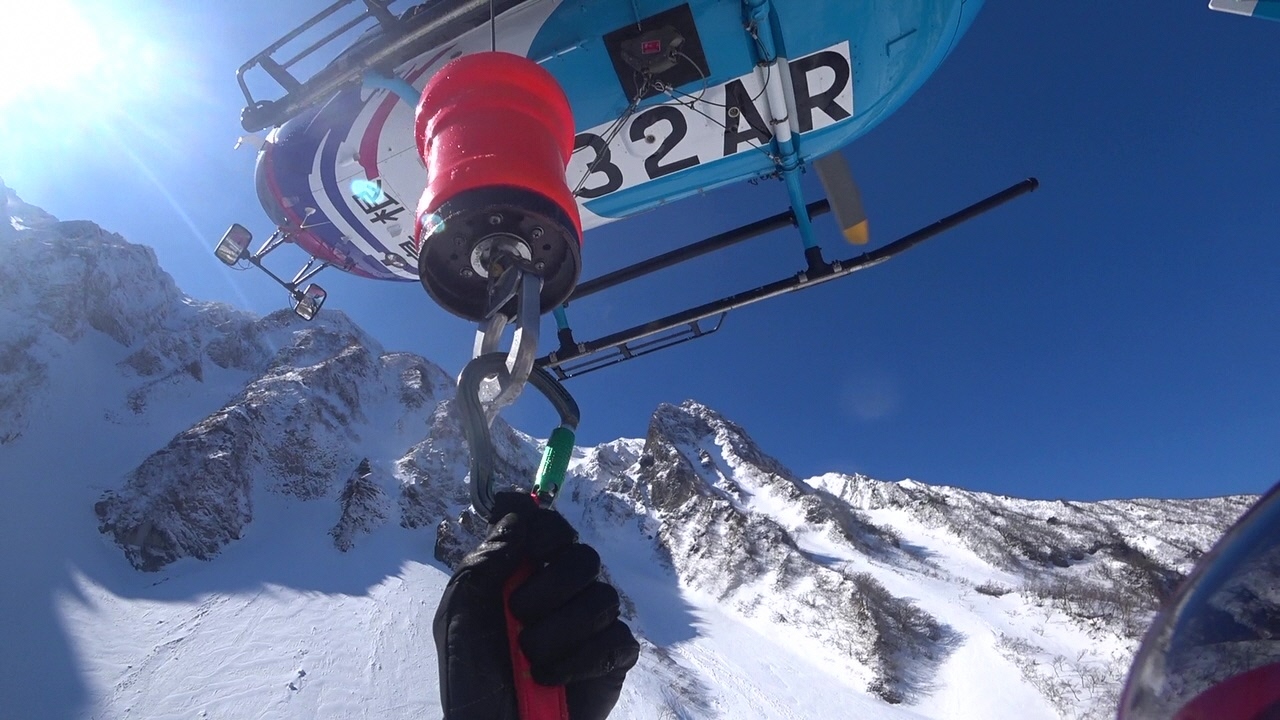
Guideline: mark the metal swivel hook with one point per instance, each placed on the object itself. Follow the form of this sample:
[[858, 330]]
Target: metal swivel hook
[[519, 282]]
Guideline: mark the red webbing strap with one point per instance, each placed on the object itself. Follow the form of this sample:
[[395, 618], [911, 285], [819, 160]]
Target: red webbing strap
[[536, 702]]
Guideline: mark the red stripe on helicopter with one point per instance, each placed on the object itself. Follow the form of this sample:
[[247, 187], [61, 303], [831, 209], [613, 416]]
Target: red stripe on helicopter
[[300, 236], [368, 153]]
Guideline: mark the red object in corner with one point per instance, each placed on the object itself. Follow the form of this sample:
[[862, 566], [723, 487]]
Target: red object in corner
[[1253, 695], [495, 119]]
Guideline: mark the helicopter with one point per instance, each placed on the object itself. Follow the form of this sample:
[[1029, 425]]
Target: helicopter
[[667, 99], [1267, 9], [523, 124]]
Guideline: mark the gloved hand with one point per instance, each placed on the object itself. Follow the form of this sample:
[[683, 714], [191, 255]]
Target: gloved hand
[[572, 634]]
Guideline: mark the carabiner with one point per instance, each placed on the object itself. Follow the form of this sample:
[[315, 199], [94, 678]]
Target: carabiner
[[476, 421]]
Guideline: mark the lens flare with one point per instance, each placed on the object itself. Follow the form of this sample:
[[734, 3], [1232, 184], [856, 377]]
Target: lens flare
[[368, 191], [68, 68]]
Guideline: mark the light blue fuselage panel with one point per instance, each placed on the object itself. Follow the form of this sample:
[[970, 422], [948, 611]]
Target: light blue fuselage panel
[[892, 47]]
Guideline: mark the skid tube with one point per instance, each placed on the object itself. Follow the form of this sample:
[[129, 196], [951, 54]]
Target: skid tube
[[561, 362]]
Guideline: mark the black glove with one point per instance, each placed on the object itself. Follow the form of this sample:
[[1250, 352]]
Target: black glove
[[572, 634]]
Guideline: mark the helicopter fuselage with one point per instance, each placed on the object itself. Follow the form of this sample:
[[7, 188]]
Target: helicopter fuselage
[[668, 99]]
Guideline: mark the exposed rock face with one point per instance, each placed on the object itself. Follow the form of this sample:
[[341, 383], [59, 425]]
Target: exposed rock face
[[74, 295], [184, 501], [731, 521], [296, 430], [1104, 566], [60, 281], [365, 507], [22, 374], [1046, 540], [318, 415], [709, 494], [74, 276]]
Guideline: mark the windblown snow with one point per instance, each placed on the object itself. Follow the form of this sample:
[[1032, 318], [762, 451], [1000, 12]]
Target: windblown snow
[[210, 514]]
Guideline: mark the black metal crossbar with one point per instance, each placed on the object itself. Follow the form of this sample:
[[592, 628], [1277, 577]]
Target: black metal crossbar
[[567, 361]]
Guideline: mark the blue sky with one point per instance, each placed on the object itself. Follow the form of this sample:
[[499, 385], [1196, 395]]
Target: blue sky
[[1117, 333]]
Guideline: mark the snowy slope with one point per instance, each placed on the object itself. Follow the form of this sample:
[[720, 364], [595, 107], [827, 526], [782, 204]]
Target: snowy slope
[[210, 514]]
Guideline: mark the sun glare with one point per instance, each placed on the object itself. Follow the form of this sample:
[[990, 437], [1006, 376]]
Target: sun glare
[[46, 48], [76, 75]]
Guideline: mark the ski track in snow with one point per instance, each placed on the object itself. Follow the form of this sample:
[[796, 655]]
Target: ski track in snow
[[273, 652]]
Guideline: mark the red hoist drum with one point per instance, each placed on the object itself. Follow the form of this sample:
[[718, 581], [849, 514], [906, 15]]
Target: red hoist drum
[[495, 132]]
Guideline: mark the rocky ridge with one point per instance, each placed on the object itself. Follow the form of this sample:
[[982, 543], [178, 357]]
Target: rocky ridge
[[319, 413]]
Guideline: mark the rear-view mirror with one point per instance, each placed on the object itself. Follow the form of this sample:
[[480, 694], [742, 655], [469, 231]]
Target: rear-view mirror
[[231, 248], [307, 303]]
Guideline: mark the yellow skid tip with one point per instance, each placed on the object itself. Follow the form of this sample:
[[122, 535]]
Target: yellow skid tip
[[858, 234]]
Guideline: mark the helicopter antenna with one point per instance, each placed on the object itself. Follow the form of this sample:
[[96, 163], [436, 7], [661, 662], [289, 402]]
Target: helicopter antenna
[[493, 28]]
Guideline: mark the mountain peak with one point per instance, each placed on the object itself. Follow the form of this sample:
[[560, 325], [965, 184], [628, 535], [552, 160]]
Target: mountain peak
[[72, 276], [697, 428], [311, 467], [18, 215]]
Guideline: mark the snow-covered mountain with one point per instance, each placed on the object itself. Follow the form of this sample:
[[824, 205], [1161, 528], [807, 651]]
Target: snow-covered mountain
[[212, 514]]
